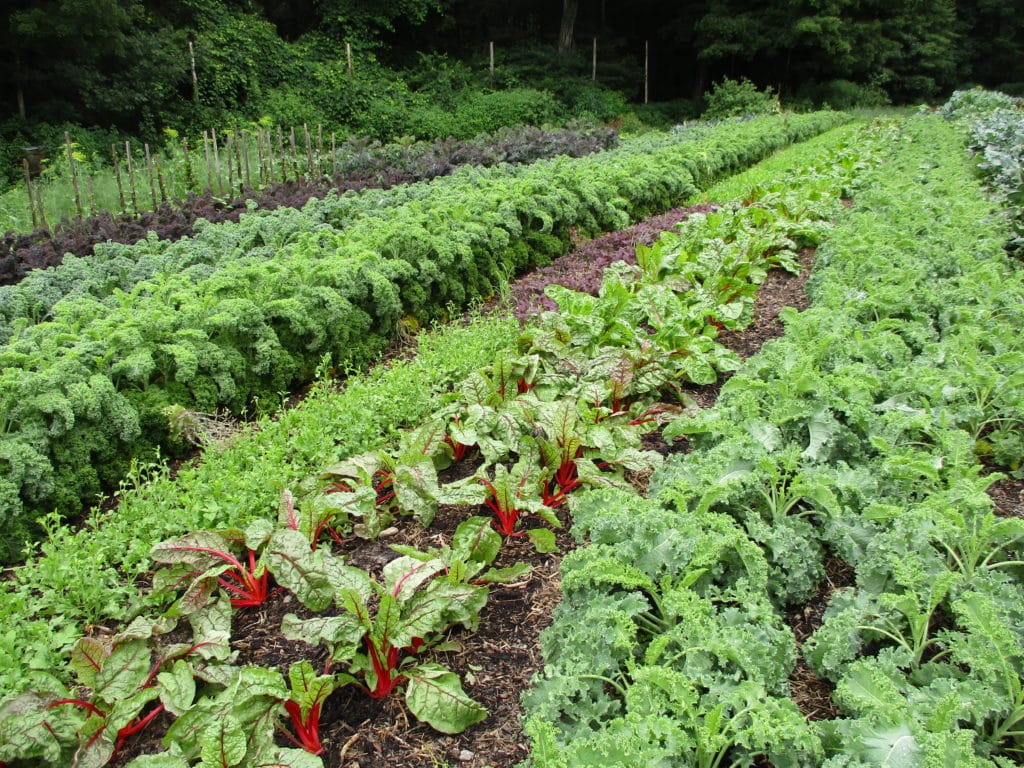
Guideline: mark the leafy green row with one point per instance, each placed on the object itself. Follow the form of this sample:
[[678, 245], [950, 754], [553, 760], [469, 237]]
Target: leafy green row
[[856, 433], [565, 421], [83, 393], [995, 123], [87, 575], [116, 267]]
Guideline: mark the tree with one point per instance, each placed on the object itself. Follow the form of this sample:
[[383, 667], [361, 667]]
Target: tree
[[565, 31]]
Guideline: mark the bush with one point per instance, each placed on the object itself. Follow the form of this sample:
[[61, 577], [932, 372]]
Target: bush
[[486, 112], [732, 98], [844, 94], [665, 114]]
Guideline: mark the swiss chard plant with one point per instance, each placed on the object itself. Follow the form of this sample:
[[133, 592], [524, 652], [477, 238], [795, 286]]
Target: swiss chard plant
[[383, 627], [124, 685]]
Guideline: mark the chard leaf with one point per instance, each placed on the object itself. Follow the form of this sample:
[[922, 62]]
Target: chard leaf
[[222, 743], [341, 634], [211, 630], [345, 578], [95, 752], [290, 758], [177, 688], [416, 488], [308, 688], [404, 575], [543, 540], [87, 659], [435, 696], [31, 727], [170, 759], [441, 605], [124, 671], [299, 569], [513, 572], [475, 540]]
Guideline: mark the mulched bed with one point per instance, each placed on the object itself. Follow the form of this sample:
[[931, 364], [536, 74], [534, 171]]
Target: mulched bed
[[497, 662]]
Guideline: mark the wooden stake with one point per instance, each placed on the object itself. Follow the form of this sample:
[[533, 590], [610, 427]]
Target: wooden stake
[[209, 167], [216, 162], [195, 80], [295, 155], [42, 213], [309, 151], [131, 178], [231, 167], [593, 66], [319, 149], [283, 155], [334, 158], [348, 56], [28, 188], [238, 157], [190, 179], [647, 69], [152, 179], [160, 181], [270, 157], [245, 154], [74, 174], [120, 183], [261, 159], [492, 58], [90, 196]]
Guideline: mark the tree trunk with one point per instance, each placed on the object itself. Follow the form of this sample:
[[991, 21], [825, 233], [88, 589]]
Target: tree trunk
[[565, 33]]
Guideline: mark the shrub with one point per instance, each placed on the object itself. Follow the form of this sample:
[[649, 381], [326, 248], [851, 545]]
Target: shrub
[[665, 114], [736, 98], [844, 94], [486, 112]]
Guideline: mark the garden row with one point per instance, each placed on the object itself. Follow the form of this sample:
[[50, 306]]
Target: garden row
[[355, 165], [995, 125], [86, 391], [565, 411], [856, 436]]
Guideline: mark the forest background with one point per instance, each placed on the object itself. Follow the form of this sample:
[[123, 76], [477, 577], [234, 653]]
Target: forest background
[[148, 69]]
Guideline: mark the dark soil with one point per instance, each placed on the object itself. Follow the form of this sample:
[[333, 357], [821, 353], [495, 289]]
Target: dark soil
[[1008, 495], [497, 662]]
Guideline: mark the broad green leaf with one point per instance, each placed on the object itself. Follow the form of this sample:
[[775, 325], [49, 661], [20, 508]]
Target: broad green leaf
[[222, 743], [308, 688], [124, 670], [341, 634], [404, 575], [543, 540], [211, 630], [435, 696], [161, 760], [177, 688], [31, 727], [87, 659], [299, 569], [476, 540]]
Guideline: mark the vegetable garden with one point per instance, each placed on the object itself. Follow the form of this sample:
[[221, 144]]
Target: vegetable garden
[[334, 580]]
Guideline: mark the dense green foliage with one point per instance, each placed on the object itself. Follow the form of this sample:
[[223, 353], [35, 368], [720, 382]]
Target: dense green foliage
[[421, 66], [85, 391], [868, 418], [562, 429]]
